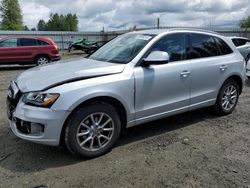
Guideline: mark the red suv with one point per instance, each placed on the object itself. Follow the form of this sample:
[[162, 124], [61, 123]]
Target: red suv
[[28, 50]]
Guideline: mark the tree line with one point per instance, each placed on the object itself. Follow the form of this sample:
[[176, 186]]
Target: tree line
[[58, 22], [12, 19]]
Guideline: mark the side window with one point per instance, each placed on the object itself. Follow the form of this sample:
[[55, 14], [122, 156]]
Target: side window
[[42, 43], [27, 42], [242, 42], [224, 48], [236, 42], [174, 44], [8, 43], [202, 46]]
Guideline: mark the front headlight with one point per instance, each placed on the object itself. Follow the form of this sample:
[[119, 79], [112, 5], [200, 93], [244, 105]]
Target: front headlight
[[40, 99]]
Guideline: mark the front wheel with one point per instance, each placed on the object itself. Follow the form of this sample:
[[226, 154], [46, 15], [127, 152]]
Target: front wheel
[[92, 130], [227, 98]]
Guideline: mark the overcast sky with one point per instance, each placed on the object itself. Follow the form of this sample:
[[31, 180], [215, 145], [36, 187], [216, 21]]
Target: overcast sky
[[123, 14]]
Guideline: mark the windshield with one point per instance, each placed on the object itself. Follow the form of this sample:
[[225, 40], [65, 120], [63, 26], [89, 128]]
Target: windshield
[[122, 49]]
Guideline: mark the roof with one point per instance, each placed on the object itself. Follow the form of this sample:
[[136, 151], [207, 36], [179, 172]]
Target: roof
[[32, 37], [235, 37], [160, 31], [43, 38]]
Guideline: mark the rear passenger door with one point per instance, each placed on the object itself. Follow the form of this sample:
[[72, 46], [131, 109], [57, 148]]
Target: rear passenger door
[[209, 58], [27, 48]]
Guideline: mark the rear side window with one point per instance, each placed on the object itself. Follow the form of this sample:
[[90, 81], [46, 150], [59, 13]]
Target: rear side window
[[224, 48], [28, 42], [202, 46], [174, 44], [236, 42], [242, 42], [239, 42], [8, 43], [42, 43]]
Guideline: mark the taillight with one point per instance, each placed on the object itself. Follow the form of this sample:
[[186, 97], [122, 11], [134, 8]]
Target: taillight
[[56, 47]]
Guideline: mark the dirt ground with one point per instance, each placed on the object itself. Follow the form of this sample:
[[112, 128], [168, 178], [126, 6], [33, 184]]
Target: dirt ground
[[195, 149]]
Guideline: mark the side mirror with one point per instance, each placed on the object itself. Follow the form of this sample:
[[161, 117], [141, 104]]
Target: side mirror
[[156, 58]]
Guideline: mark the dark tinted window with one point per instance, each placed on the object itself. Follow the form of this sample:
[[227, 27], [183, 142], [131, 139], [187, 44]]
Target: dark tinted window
[[202, 46], [27, 42], [242, 42], [42, 43], [236, 42], [8, 43], [239, 42], [174, 44], [224, 48]]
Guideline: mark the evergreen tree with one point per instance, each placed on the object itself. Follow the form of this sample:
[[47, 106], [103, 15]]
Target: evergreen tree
[[58, 22], [26, 28], [41, 26], [245, 22], [11, 15]]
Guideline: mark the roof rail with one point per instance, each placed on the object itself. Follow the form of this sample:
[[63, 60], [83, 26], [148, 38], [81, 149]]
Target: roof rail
[[194, 29]]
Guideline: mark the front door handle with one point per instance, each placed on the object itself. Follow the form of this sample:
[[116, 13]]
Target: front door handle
[[185, 74], [223, 67]]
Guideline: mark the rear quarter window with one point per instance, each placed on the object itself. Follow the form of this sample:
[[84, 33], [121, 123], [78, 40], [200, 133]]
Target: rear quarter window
[[42, 43], [224, 48]]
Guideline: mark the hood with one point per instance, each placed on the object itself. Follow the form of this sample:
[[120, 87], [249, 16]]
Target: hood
[[47, 76]]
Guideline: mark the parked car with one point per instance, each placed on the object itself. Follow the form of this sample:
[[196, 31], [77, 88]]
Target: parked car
[[136, 78], [84, 45], [243, 45], [28, 50], [248, 69]]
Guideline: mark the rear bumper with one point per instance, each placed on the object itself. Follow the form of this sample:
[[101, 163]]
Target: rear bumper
[[55, 58]]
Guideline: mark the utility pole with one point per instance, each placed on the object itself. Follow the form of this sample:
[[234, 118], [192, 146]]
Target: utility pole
[[158, 23]]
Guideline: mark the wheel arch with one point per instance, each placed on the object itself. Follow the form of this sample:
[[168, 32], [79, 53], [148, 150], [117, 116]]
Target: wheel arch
[[238, 79], [43, 54], [118, 105]]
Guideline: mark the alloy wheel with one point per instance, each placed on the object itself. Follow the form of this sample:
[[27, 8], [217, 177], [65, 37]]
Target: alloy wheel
[[229, 98], [95, 131], [42, 61]]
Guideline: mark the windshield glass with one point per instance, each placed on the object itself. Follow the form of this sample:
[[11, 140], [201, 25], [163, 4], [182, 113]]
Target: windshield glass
[[122, 49]]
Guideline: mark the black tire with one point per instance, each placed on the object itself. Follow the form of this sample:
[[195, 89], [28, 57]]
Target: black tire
[[219, 109], [69, 49], [42, 60], [247, 58], [72, 129], [248, 77]]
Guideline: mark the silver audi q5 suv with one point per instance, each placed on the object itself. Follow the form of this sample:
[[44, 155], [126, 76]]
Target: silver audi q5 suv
[[135, 78]]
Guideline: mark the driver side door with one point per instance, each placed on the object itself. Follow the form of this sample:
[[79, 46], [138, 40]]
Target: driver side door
[[163, 90]]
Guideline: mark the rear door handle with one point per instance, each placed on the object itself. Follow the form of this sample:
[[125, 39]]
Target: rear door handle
[[223, 67], [185, 74]]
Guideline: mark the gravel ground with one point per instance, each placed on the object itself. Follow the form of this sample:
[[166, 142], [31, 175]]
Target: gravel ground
[[194, 149]]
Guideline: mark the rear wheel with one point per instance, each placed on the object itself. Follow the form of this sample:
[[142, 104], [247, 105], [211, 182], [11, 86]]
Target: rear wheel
[[92, 130], [227, 98], [42, 60]]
